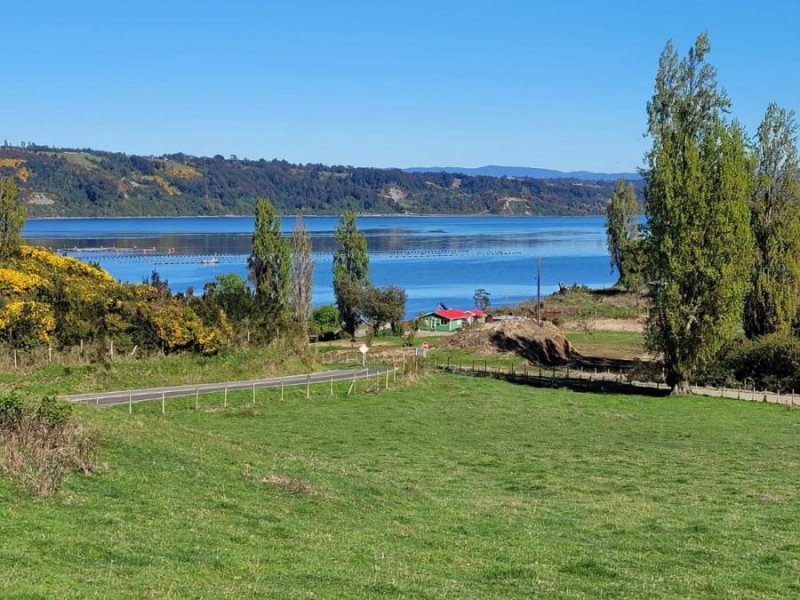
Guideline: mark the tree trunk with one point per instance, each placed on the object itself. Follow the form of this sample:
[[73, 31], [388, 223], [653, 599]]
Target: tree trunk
[[678, 383], [681, 388]]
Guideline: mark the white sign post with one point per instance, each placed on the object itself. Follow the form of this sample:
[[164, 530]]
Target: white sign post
[[363, 349]]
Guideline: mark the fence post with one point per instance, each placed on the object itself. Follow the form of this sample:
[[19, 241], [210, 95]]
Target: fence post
[[254, 393], [225, 399], [308, 386], [281, 388], [15, 358], [163, 403], [130, 404], [331, 386]]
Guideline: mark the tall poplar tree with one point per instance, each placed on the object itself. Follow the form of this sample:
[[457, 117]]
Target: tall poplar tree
[[269, 265], [622, 229], [350, 271], [771, 305], [12, 219], [698, 185], [302, 278]]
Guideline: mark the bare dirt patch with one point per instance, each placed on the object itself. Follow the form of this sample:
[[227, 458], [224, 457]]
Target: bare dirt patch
[[627, 325], [538, 343]]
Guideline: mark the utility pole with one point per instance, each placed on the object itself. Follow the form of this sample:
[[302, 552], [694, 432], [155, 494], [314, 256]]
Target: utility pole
[[539, 290]]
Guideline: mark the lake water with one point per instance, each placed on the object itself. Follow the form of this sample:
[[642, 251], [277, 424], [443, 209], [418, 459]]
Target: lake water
[[436, 259]]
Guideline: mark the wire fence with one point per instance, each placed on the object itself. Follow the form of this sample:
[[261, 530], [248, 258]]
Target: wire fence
[[362, 380], [598, 379]]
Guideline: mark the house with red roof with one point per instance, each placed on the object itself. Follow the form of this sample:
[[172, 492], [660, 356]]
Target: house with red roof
[[450, 319]]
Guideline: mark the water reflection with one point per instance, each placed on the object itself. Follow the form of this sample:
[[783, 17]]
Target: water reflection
[[433, 258]]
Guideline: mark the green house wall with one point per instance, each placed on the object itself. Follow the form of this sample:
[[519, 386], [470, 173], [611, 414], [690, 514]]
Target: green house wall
[[434, 323]]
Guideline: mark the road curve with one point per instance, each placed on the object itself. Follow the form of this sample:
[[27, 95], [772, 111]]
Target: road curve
[[179, 391]]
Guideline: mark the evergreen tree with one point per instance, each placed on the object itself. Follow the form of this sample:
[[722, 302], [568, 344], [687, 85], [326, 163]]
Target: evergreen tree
[[622, 230], [12, 219], [269, 265], [771, 306], [302, 278], [698, 184], [350, 271]]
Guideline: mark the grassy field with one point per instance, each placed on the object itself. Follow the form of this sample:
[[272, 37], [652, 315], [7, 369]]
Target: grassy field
[[175, 369], [608, 344], [582, 303], [448, 488]]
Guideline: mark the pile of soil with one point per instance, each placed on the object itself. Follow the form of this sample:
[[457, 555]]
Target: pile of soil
[[537, 343]]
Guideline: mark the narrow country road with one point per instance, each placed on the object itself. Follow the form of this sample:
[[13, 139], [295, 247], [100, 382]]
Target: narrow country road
[[178, 391]]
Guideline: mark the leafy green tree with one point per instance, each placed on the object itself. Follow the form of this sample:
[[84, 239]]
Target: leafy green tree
[[325, 321], [302, 278], [698, 184], [482, 299], [771, 305], [269, 264], [383, 306], [350, 271], [12, 219], [230, 293], [623, 231]]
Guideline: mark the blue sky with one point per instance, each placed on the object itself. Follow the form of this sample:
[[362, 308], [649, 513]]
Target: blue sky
[[375, 83]]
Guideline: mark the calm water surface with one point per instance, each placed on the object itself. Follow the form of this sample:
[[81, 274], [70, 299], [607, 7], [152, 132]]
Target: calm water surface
[[436, 259]]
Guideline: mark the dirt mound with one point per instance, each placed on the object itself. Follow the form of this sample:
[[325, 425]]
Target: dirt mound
[[538, 343]]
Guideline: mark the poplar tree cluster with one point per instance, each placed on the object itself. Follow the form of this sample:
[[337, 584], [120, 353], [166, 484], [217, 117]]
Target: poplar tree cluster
[[721, 244], [281, 272], [357, 299]]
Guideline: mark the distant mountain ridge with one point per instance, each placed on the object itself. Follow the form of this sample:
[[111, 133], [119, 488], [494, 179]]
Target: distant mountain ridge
[[532, 172], [72, 182]]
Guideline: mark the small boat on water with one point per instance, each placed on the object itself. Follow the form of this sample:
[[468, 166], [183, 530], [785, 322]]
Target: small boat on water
[[213, 260]]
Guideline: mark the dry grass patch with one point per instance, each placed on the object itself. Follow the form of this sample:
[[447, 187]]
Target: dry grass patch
[[296, 487], [41, 443]]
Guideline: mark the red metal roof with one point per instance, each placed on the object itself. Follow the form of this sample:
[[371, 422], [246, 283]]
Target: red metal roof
[[452, 313]]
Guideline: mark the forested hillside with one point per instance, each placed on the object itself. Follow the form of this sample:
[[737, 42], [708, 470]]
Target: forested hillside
[[63, 182]]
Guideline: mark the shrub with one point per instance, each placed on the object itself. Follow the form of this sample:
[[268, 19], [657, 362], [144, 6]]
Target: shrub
[[410, 339], [770, 362], [10, 412], [41, 442]]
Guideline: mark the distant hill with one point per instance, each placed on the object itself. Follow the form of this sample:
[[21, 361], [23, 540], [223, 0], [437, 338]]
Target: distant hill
[[498, 171], [73, 182]]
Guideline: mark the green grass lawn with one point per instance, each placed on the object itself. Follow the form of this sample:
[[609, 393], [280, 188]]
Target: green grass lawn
[[608, 344], [175, 369], [449, 488]]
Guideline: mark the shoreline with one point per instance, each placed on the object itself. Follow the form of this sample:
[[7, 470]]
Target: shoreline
[[332, 216]]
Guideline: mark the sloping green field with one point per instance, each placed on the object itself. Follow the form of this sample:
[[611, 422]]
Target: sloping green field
[[448, 488]]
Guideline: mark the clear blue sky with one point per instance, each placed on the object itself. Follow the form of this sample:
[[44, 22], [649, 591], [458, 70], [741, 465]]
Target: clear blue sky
[[376, 83]]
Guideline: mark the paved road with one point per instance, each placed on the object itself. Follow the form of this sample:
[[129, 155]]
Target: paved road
[[178, 391]]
